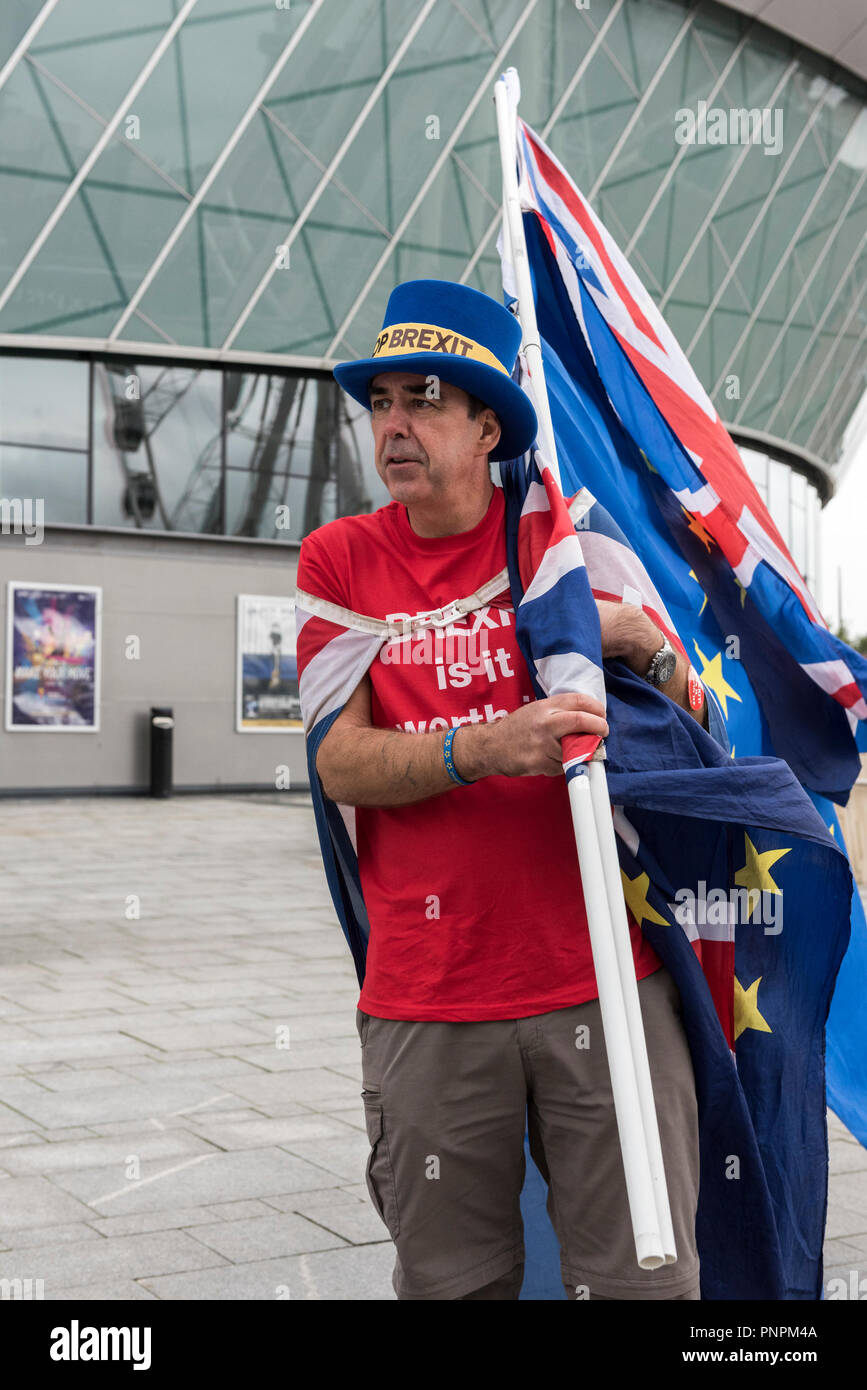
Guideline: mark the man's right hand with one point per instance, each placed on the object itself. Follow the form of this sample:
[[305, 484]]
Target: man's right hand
[[361, 765], [526, 743]]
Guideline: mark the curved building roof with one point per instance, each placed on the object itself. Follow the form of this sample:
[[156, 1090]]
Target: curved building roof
[[232, 178], [838, 30]]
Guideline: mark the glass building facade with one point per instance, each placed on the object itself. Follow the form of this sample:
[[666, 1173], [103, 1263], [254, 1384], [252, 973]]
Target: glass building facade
[[206, 203]]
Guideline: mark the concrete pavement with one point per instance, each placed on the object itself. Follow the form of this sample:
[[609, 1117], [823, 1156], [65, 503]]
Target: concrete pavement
[[179, 1067]]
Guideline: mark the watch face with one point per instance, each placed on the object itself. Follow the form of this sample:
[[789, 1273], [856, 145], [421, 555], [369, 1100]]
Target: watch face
[[666, 663]]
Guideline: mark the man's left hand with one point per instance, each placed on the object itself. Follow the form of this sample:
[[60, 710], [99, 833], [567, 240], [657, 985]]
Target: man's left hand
[[628, 633]]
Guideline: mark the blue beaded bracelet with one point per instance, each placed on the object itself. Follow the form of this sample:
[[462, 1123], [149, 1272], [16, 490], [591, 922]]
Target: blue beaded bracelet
[[450, 762]]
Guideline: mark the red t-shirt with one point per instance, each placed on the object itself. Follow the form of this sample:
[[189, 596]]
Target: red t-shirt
[[474, 897]]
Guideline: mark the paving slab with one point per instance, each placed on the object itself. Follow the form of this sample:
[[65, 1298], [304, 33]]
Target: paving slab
[[344, 1157], [132, 1256], [131, 1100], [67, 1044], [267, 1237], [355, 1220], [846, 1157], [355, 1272], [284, 1131], [150, 1145], [141, 1069], [300, 1055], [316, 1086], [217, 1177], [158, 1038], [38, 1202], [105, 1291], [63, 1078], [177, 1037], [30, 1236], [174, 1218]]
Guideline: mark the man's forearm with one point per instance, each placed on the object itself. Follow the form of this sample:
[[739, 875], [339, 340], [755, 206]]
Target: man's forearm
[[360, 765], [384, 767]]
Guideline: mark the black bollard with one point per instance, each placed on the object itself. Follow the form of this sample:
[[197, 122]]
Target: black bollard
[[162, 726]]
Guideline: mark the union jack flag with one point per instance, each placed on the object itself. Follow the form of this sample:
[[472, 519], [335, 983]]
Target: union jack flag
[[811, 686], [655, 532]]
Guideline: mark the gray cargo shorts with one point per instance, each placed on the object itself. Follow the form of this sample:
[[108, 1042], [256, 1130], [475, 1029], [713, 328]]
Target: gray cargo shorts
[[446, 1106]]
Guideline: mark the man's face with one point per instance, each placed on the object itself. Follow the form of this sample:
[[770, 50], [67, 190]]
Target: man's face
[[427, 447]]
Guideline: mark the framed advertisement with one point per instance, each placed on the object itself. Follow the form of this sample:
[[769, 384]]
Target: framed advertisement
[[52, 658], [266, 699]]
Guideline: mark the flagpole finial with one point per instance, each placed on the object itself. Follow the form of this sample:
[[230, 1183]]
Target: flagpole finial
[[512, 83]]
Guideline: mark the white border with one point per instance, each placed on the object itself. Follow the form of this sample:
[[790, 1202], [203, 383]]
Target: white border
[[12, 586], [239, 727]]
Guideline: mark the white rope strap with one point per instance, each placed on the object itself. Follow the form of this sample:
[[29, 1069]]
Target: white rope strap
[[435, 617], [405, 627]]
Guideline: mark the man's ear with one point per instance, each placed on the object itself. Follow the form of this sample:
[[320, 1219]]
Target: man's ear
[[490, 426]]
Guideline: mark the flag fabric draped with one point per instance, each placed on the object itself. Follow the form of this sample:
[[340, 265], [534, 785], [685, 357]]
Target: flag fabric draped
[[812, 686], [726, 865], [700, 838], [556, 619], [634, 426]]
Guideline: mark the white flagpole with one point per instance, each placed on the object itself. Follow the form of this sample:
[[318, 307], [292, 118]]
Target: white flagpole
[[594, 831]]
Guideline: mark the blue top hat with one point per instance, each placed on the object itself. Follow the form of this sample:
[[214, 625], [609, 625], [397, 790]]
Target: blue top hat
[[438, 328]]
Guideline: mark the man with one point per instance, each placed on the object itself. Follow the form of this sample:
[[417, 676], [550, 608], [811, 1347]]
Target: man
[[479, 998]]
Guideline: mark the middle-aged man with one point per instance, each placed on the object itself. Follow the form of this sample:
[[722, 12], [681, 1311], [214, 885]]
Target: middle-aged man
[[479, 998]]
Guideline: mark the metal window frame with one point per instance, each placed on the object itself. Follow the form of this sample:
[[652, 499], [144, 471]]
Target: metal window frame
[[161, 357], [597, 42], [638, 110], [759, 219], [23, 44], [778, 269], [213, 173], [325, 181], [844, 328], [859, 342], [416, 202], [104, 139], [681, 154]]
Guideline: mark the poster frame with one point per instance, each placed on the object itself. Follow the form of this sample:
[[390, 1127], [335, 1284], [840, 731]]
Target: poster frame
[[12, 587], [240, 728]]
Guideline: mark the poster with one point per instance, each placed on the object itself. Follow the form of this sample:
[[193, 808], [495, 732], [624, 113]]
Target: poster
[[267, 679], [52, 655]]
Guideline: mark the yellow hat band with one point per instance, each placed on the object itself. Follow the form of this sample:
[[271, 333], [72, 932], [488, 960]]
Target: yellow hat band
[[400, 338]]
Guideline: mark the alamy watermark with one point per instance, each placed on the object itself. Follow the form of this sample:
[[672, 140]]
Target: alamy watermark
[[736, 126], [732, 907], [23, 517]]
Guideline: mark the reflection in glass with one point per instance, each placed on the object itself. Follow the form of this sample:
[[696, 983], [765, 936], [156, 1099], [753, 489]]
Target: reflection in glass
[[156, 447], [43, 400], [182, 448], [58, 477], [291, 442]]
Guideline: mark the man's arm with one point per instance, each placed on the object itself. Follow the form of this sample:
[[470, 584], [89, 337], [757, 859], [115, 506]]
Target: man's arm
[[629, 634], [361, 765]]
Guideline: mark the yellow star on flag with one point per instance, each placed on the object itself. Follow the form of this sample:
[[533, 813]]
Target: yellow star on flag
[[747, 1009], [697, 529], [635, 893], [693, 575], [756, 873], [712, 674], [647, 461]]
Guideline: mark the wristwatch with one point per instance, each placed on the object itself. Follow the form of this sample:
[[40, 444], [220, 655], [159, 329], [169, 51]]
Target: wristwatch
[[661, 668]]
